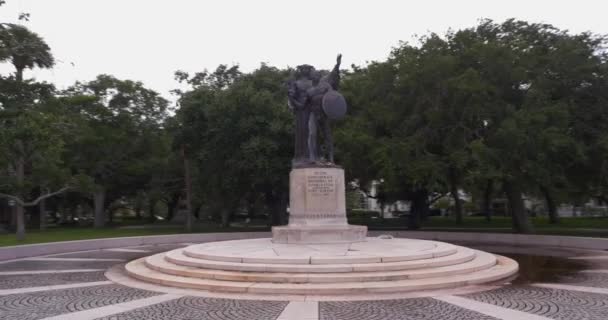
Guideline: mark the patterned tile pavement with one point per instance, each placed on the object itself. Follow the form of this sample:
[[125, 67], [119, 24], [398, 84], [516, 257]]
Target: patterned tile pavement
[[550, 303], [39, 305], [33, 265], [188, 308], [37, 280], [404, 309]]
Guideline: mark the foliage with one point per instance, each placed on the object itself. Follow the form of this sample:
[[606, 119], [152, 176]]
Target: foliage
[[24, 49], [502, 102], [497, 110], [118, 139], [237, 127]]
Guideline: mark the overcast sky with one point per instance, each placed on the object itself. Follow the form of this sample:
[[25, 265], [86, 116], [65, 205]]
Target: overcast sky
[[147, 40]]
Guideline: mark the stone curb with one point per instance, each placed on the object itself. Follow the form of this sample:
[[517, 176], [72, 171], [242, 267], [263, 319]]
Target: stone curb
[[503, 238], [32, 250]]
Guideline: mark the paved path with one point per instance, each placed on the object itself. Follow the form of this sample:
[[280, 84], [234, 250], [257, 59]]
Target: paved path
[[72, 286]]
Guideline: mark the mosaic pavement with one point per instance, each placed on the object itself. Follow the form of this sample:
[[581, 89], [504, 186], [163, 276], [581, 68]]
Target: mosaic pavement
[[550, 303], [406, 309], [72, 286], [187, 308]]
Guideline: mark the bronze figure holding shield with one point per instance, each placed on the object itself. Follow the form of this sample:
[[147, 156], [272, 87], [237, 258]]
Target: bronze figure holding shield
[[314, 99]]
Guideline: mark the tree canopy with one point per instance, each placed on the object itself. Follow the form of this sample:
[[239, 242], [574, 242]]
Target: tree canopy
[[512, 109]]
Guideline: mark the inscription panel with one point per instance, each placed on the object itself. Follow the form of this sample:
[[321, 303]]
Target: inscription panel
[[320, 184], [321, 195], [317, 197]]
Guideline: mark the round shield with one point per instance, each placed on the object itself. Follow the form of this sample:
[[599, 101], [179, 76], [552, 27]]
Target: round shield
[[334, 105]]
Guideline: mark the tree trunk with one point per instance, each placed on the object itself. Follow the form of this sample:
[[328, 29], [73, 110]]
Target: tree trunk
[[277, 205], [551, 208], [419, 208], [172, 205], [112, 210], [20, 175], [455, 196], [19, 75], [20, 214], [42, 210], [487, 200], [519, 217], [19, 210], [251, 207], [99, 197], [13, 218], [152, 210], [197, 211], [188, 180], [225, 217]]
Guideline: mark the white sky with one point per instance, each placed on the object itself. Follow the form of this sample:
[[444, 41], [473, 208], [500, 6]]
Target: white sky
[[147, 40]]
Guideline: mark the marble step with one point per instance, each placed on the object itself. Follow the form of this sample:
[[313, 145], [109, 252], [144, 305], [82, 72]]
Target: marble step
[[461, 255], [504, 268], [482, 261], [371, 251]]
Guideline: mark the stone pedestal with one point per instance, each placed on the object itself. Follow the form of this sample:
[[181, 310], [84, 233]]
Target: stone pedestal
[[317, 209]]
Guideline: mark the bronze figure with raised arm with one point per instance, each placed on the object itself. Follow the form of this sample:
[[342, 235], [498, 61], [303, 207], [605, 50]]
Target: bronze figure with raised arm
[[314, 99]]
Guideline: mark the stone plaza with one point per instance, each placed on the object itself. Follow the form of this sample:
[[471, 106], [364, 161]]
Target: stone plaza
[[228, 199], [92, 284], [316, 267]]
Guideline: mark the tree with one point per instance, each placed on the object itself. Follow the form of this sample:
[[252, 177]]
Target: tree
[[499, 104], [24, 49], [239, 130], [120, 142], [419, 110], [538, 72], [31, 144]]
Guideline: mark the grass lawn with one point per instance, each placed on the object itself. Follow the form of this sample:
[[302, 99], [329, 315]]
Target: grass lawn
[[83, 233], [579, 226], [575, 226], [505, 222], [496, 222]]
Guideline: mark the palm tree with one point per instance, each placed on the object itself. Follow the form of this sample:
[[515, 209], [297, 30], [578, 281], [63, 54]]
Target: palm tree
[[24, 49]]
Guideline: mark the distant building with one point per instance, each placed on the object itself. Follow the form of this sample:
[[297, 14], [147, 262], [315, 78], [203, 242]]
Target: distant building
[[499, 205], [369, 202]]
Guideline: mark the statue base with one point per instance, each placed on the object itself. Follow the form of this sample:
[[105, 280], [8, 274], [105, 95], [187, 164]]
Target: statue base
[[317, 209], [318, 234]]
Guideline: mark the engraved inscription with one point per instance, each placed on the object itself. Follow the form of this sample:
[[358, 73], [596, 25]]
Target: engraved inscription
[[324, 215], [320, 184], [323, 191]]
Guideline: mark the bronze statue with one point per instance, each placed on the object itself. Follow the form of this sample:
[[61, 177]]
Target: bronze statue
[[314, 99]]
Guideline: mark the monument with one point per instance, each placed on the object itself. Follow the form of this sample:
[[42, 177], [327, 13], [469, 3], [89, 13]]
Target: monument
[[318, 255], [317, 204]]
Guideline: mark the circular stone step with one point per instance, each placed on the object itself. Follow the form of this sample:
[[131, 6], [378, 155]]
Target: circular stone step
[[460, 256], [157, 262], [376, 266], [374, 250], [505, 268]]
